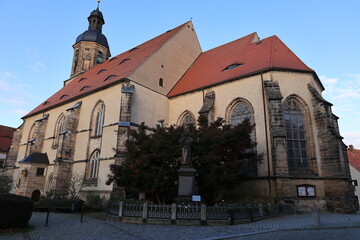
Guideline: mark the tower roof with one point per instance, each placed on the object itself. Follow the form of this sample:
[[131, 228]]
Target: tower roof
[[93, 36], [97, 13], [94, 32]]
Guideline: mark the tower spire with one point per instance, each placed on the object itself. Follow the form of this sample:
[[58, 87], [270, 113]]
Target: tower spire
[[91, 47]]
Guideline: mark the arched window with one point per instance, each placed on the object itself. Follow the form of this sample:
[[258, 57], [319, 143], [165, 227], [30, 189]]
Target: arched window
[[98, 118], [94, 164], [295, 135], [187, 119], [50, 185], [239, 112], [59, 128], [31, 139]]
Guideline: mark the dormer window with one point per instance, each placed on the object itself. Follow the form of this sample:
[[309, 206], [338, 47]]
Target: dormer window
[[82, 79], [64, 96], [232, 66], [110, 77], [135, 48], [84, 88], [102, 70], [113, 59], [45, 103], [125, 60]]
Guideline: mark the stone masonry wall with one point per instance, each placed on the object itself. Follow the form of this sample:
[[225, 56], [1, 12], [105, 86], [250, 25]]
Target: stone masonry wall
[[65, 152], [31, 181], [328, 136], [277, 128], [39, 135], [14, 149], [123, 130]]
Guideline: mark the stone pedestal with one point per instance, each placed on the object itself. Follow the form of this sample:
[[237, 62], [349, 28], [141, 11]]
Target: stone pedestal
[[187, 184]]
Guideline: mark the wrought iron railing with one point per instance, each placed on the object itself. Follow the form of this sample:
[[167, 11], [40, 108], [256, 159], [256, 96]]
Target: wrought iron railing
[[201, 212]]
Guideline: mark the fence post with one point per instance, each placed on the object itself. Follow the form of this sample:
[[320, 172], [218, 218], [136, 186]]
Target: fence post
[[173, 213], [231, 215], [47, 217], [121, 209], [203, 216], [145, 213], [271, 207]]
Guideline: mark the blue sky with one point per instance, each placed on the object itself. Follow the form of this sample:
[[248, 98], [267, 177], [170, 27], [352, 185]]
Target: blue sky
[[37, 38]]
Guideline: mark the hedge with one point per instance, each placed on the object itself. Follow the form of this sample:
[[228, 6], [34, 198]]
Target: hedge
[[15, 211], [64, 205]]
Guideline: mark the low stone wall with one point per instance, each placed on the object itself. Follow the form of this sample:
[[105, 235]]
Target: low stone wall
[[189, 215]]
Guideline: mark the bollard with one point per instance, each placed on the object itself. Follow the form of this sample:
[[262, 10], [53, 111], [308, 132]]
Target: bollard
[[82, 213], [47, 217], [231, 216]]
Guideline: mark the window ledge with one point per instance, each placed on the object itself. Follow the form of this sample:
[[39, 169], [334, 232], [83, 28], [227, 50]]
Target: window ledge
[[91, 182], [97, 136]]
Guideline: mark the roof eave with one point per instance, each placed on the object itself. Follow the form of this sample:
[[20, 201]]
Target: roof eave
[[249, 75], [75, 98]]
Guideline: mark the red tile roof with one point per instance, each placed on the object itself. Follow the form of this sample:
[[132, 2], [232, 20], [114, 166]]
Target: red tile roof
[[114, 66], [6, 135], [354, 158], [208, 69]]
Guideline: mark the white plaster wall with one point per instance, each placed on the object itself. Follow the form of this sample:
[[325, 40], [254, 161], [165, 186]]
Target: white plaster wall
[[355, 175]]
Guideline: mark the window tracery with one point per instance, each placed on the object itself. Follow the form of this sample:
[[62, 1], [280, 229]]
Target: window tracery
[[295, 135]]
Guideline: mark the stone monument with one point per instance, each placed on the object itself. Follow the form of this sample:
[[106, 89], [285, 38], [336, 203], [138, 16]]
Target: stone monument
[[187, 173]]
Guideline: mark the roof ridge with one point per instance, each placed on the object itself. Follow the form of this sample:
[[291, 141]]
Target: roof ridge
[[291, 52], [228, 43]]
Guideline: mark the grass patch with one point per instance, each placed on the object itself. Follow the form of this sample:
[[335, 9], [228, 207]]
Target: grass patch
[[9, 231], [96, 215]]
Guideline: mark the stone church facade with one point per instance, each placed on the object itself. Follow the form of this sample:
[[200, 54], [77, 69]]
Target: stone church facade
[[83, 127]]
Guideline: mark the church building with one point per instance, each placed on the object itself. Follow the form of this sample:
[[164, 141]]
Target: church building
[[82, 128]]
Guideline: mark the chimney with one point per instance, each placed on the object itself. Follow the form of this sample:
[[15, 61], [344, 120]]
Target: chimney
[[351, 148]]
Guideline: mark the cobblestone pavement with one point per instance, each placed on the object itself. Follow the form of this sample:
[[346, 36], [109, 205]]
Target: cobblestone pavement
[[68, 226]]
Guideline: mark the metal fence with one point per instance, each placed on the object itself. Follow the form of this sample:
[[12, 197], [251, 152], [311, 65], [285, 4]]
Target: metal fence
[[159, 211], [201, 212], [188, 212]]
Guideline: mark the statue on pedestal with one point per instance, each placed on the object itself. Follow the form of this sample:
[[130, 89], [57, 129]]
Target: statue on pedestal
[[187, 172], [186, 150]]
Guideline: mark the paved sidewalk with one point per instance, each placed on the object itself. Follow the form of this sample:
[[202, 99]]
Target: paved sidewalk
[[68, 226]]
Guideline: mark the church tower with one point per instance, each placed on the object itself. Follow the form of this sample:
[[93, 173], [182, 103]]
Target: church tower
[[91, 47]]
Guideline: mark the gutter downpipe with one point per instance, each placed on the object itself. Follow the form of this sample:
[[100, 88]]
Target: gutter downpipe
[[266, 134]]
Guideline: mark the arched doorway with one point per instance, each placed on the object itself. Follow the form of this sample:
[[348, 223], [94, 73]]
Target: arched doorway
[[35, 196]]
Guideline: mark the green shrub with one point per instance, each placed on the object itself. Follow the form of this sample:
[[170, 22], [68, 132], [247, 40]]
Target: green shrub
[[94, 202], [58, 204], [6, 184], [15, 211]]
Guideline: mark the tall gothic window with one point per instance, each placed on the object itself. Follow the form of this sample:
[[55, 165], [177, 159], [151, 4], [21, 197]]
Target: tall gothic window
[[187, 119], [239, 112], [59, 128], [295, 135], [94, 164], [98, 119]]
